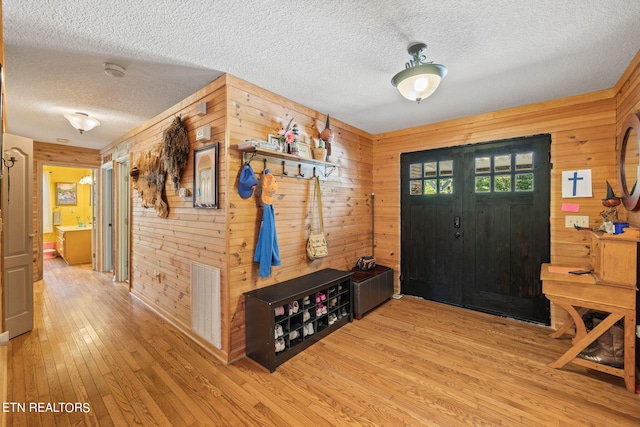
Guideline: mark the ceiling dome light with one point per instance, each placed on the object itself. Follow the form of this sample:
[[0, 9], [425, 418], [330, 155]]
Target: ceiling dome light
[[113, 70], [81, 121], [419, 79]]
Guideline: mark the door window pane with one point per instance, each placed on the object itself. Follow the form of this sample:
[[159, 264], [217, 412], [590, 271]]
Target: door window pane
[[483, 184], [415, 171], [483, 164], [445, 186], [446, 167], [524, 161], [502, 163], [430, 186], [524, 182], [430, 169], [502, 183], [415, 187]]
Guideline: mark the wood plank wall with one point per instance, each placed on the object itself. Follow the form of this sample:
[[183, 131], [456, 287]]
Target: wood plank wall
[[346, 198], [54, 155], [628, 101], [582, 132], [168, 246], [225, 238]]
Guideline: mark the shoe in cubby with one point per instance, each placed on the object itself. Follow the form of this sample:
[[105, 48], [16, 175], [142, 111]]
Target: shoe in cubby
[[295, 337], [332, 319], [308, 329], [279, 311], [293, 308]]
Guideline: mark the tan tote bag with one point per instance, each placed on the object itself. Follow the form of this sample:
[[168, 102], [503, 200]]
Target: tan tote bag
[[317, 245]]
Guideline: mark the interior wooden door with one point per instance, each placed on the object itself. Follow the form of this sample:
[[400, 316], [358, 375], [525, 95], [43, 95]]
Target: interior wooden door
[[17, 205], [475, 226]]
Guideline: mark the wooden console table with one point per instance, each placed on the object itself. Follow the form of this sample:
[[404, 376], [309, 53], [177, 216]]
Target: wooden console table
[[578, 294]]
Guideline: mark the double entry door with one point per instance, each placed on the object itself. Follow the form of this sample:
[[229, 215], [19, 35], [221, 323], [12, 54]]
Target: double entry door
[[475, 226]]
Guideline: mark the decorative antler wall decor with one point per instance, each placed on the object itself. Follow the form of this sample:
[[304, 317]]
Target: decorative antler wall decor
[[175, 150]]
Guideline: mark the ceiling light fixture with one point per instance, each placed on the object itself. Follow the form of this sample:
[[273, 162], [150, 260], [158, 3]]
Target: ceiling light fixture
[[81, 121], [113, 70], [419, 79], [86, 180]]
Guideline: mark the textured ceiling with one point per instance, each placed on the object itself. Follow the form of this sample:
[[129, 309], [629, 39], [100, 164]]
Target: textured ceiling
[[333, 56]]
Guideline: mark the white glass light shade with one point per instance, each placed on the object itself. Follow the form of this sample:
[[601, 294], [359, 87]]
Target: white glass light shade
[[85, 180], [81, 121], [419, 82]]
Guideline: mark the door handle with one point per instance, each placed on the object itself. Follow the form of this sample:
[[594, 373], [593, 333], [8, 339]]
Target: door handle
[[456, 221]]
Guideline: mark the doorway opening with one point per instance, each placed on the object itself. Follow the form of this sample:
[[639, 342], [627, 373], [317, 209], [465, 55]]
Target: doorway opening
[[68, 214], [115, 214]]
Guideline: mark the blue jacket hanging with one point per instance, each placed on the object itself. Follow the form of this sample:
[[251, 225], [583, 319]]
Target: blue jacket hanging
[[267, 249]]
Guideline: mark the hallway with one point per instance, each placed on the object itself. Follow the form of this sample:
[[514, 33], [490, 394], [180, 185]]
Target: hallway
[[410, 362]]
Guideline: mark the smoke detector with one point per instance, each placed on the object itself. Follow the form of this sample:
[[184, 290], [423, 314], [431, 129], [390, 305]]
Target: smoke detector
[[113, 70]]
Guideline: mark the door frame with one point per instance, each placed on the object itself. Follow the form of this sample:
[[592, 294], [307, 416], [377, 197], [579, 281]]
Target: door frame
[[122, 211], [39, 240], [106, 215]]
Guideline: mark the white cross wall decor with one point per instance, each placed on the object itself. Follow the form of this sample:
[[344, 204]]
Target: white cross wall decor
[[576, 183]]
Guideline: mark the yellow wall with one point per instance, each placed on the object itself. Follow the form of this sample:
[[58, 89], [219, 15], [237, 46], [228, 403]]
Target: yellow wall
[[71, 214]]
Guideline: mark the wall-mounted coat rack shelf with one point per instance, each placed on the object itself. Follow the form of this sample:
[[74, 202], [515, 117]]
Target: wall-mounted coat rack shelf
[[287, 165]]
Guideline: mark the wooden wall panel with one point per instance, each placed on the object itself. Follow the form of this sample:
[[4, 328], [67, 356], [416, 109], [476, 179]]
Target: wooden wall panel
[[163, 249], [628, 101], [582, 131], [55, 155], [346, 198]]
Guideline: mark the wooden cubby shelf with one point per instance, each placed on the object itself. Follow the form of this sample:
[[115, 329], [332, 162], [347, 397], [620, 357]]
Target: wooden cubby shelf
[[285, 318]]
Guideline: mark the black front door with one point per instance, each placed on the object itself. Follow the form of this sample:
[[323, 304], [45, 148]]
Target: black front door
[[475, 226]]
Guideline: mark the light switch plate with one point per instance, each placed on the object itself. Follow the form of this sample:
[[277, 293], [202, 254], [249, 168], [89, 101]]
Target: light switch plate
[[579, 220]]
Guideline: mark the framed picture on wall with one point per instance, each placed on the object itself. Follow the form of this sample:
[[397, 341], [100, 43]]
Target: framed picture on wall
[[66, 193], [205, 177]]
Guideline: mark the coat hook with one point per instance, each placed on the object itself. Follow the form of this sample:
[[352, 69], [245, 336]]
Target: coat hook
[[253, 156], [284, 169], [300, 174], [326, 175], [265, 163]]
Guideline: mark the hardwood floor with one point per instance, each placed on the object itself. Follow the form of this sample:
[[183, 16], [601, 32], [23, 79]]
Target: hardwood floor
[[409, 362]]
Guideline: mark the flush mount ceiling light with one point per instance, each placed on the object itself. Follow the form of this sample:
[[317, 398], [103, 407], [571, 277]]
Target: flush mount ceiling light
[[419, 79], [81, 121], [113, 70]]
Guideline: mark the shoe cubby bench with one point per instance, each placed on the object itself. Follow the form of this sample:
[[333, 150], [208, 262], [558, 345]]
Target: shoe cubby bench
[[283, 319]]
